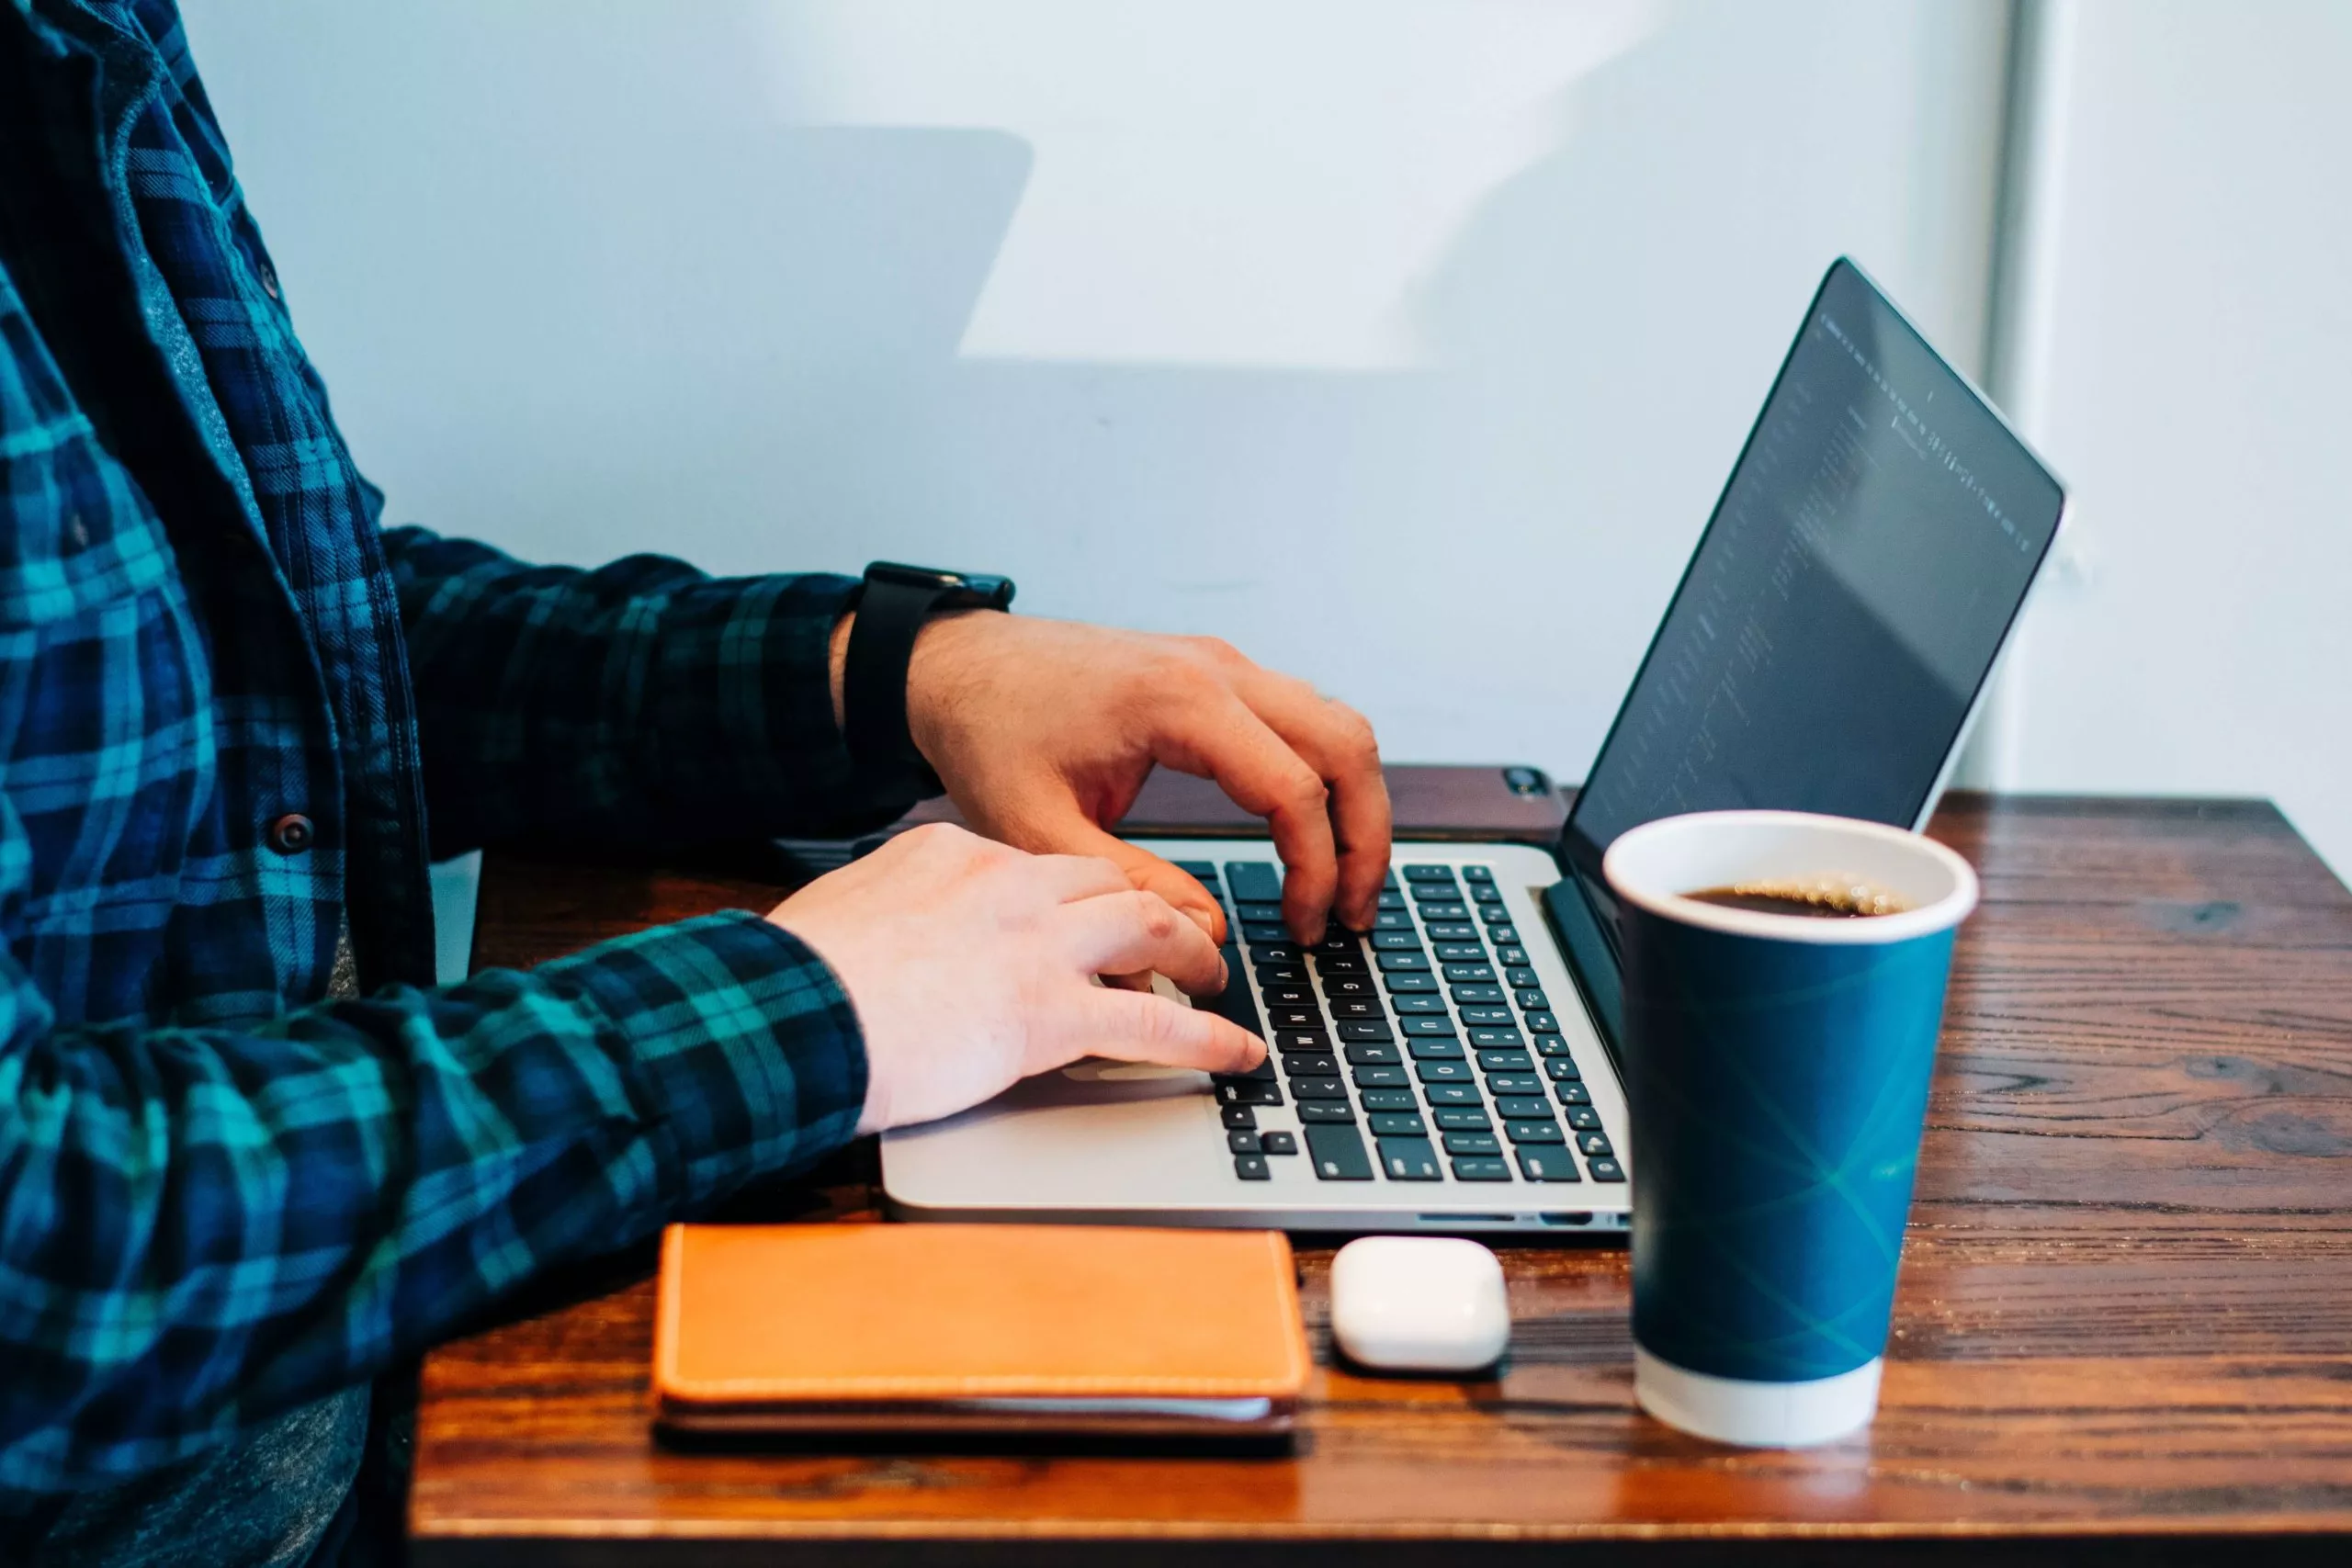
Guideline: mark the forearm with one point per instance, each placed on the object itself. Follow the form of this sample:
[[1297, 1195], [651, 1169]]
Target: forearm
[[200, 1229], [640, 702]]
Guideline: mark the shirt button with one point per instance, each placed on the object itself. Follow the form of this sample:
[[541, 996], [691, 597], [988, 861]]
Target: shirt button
[[269, 280], [292, 834]]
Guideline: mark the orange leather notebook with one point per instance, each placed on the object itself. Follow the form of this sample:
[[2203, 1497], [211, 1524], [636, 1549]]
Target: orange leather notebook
[[941, 1328]]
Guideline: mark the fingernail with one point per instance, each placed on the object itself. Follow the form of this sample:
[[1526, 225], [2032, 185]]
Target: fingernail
[[1224, 973], [1203, 918]]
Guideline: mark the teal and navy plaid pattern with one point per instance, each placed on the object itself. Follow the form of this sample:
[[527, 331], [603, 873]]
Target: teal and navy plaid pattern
[[222, 1192]]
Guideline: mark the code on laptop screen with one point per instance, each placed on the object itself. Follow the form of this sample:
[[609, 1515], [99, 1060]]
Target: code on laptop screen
[[1847, 597]]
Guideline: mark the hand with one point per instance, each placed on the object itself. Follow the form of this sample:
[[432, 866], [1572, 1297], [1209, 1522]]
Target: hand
[[1044, 732], [971, 966]]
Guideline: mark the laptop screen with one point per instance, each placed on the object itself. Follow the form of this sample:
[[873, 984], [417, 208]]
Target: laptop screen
[[1847, 600]]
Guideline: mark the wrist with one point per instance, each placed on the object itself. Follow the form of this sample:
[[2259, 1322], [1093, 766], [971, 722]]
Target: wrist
[[837, 670]]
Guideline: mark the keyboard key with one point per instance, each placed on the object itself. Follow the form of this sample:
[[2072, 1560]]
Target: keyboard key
[[1314, 1064], [1263, 932], [1315, 1111], [1406, 941], [1305, 1089], [1403, 985], [1337, 1154], [1421, 1025], [1468, 974], [1253, 882], [1493, 914], [1278, 1143], [1383, 1076], [1477, 873], [1428, 1072], [1532, 1001], [1242, 1142], [1409, 1159], [1339, 943], [1389, 1100], [1497, 1040], [1595, 1144], [1369, 1053], [1338, 964], [1502, 1061], [1460, 1119], [1397, 1124], [1514, 1083], [1258, 914], [1505, 936], [1524, 1108], [1520, 979], [1198, 870], [1434, 1048], [1301, 1039], [1472, 1144], [1237, 1116], [1607, 1169], [1413, 1002], [1365, 1029], [1387, 920], [1488, 894], [1481, 1170], [1262, 1073], [1345, 1007], [1272, 974], [1554, 1048], [1445, 911], [1428, 893], [1467, 995], [1548, 1164], [1440, 1094], [1487, 1017], [1584, 1118], [1294, 1018], [1391, 898], [1283, 952], [1505, 954], [1527, 1132], [1295, 994], [1460, 952], [1426, 871], [1452, 930], [1543, 1023], [1402, 963], [1571, 1094], [1251, 1167], [1345, 988]]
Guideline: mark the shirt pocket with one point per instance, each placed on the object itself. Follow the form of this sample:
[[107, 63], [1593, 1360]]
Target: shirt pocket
[[77, 532]]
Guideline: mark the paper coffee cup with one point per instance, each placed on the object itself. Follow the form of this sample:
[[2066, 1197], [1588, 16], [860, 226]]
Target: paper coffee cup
[[1776, 1071]]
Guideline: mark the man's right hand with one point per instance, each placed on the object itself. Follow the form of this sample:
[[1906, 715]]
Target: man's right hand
[[972, 966]]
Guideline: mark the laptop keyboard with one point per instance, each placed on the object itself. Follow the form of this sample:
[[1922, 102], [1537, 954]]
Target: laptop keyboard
[[1425, 1050]]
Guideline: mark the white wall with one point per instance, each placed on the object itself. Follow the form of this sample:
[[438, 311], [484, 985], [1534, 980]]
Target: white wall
[[1404, 341], [2192, 332]]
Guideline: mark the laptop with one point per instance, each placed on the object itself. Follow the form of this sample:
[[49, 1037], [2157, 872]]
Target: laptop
[[1457, 1069]]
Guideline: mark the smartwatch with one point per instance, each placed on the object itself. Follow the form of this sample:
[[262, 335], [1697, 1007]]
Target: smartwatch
[[892, 606]]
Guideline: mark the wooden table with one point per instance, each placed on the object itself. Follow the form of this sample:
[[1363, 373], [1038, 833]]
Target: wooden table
[[2124, 1328]]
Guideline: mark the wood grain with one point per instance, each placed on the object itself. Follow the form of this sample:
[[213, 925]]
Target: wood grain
[[2124, 1327]]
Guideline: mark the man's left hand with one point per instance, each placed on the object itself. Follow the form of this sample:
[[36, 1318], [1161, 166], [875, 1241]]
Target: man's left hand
[[1044, 732]]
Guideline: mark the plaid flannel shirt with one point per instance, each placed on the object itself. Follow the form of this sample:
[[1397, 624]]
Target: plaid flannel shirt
[[223, 1193]]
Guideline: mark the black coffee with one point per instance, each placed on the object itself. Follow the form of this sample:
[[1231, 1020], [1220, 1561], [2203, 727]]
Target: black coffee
[[1824, 898]]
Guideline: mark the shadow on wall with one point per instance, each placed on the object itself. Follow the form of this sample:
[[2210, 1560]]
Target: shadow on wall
[[737, 341]]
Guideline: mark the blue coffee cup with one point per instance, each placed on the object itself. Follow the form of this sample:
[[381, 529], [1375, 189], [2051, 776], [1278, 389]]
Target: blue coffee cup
[[1777, 1069]]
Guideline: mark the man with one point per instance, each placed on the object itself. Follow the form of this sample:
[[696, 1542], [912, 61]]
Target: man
[[250, 1157]]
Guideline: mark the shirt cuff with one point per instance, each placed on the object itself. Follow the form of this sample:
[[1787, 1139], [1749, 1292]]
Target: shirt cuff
[[745, 1055]]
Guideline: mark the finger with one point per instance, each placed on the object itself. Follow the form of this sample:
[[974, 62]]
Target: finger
[[1337, 743], [1069, 829], [1071, 877], [1133, 1026], [1134, 931], [1228, 742]]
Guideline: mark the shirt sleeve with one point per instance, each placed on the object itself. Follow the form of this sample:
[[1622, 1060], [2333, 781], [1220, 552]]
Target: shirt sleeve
[[639, 704], [200, 1229]]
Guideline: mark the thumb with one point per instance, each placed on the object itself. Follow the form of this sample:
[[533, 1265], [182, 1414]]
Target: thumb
[[1074, 835]]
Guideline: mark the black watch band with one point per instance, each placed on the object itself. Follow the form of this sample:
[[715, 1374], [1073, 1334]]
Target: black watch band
[[891, 609]]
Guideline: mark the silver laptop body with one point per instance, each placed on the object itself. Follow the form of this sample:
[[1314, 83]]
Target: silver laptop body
[[1826, 651]]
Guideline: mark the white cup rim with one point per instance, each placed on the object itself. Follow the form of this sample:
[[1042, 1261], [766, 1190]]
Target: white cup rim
[[1943, 885]]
